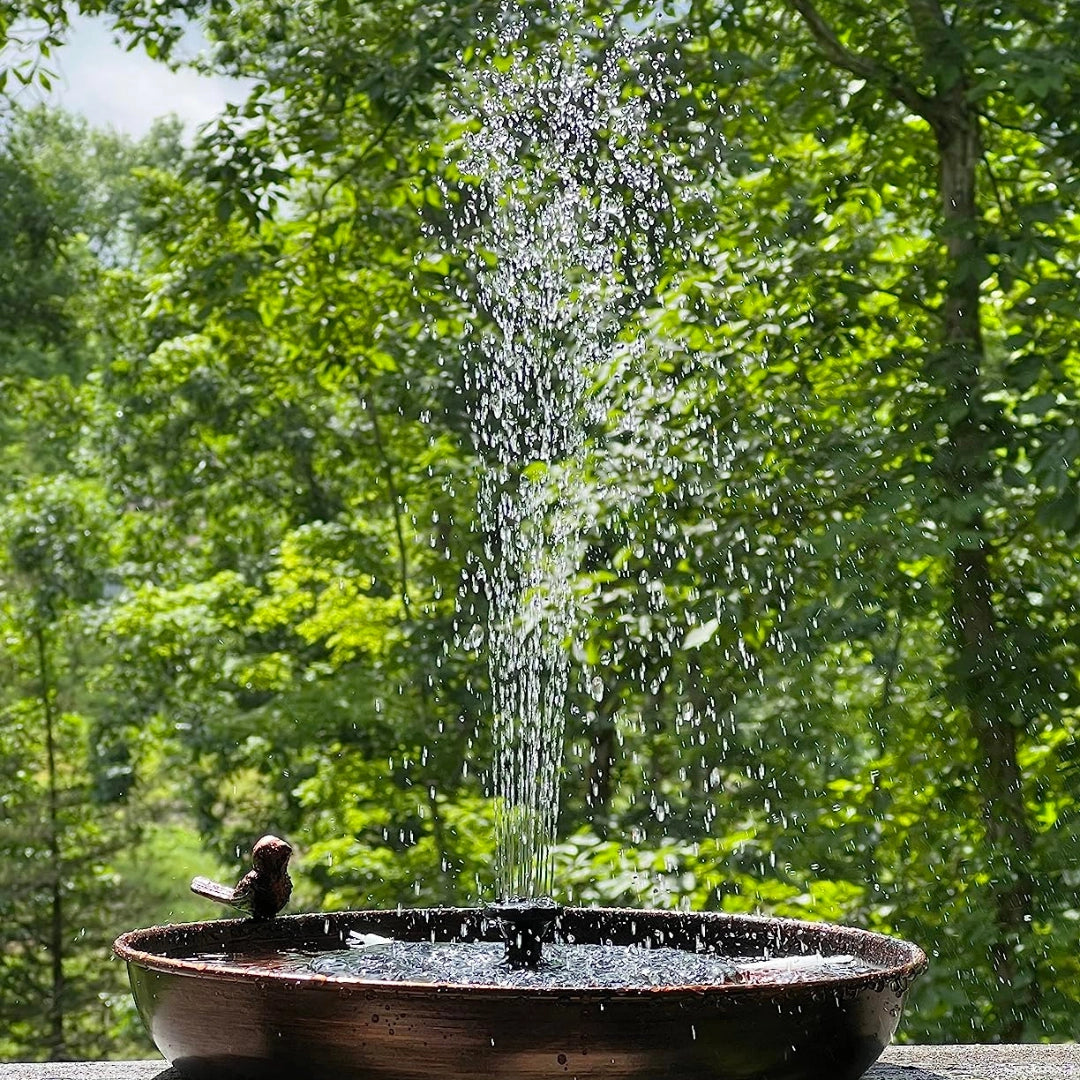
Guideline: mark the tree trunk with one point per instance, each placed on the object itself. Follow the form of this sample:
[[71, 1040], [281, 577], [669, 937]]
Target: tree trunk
[[57, 1047], [601, 764], [1008, 831], [978, 642]]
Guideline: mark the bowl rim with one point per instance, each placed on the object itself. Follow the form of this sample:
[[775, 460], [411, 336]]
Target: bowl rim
[[130, 947]]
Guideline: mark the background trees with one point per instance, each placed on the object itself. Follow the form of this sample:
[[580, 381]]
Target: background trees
[[828, 618], [68, 827], [914, 120]]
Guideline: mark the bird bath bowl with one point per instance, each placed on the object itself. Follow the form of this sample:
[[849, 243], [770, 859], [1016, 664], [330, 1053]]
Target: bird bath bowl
[[225, 1021]]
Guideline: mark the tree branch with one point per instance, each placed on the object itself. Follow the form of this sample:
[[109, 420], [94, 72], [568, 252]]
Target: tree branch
[[863, 66], [998, 198], [396, 506], [933, 11], [943, 55], [351, 167]]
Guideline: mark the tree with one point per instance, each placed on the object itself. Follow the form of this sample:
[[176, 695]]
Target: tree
[[293, 542], [52, 571], [31, 29], [946, 333]]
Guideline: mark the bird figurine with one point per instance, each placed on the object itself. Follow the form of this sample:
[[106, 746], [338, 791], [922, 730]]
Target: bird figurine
[[264, 890]]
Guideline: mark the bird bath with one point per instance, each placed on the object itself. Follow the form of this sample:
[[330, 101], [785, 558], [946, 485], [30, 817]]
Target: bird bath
[[219, 1004]]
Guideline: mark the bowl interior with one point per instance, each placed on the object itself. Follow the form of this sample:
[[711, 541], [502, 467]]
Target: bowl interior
[[183, 947]]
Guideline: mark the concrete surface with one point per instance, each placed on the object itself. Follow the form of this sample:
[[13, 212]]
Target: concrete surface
[[1041, 1062]]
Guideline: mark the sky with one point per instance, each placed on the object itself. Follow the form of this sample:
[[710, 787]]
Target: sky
[[127, 90]]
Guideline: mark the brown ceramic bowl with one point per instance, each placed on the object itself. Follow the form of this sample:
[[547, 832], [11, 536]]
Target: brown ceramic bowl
[[225, 1023]]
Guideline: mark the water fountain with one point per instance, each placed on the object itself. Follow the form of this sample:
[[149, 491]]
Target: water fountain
[[525, 988]]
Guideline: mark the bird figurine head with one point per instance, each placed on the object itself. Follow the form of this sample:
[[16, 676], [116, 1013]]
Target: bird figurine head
[[270, 853]]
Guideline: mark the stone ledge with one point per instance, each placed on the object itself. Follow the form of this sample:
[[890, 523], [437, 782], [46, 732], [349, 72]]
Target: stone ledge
[[1059, 1061], [1042, 1061]]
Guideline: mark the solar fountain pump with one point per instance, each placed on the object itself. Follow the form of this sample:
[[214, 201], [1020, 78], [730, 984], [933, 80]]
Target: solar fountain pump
[[526, 925]]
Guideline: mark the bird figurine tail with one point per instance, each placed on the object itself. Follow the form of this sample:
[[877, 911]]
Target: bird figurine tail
[[212, 890]]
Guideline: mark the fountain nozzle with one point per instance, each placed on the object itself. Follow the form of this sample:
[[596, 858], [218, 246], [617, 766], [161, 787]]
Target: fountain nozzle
[[526, 924]]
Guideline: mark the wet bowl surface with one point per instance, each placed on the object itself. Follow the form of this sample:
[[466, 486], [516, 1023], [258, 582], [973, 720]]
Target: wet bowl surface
[[222, 1022]]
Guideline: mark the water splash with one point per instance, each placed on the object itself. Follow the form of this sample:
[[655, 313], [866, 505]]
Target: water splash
[[566, 967], [562, 206]]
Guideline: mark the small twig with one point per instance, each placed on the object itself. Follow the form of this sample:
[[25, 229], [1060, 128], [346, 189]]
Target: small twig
[[892, 665], [1034, 132], [374, 142]]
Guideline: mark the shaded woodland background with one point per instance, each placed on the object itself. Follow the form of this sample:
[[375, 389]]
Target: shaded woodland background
[[829, 628]]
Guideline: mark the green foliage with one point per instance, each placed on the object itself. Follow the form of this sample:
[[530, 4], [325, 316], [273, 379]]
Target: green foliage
[[378, 834]]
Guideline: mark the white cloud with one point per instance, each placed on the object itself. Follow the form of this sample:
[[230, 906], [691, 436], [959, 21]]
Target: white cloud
[[128, 90]]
